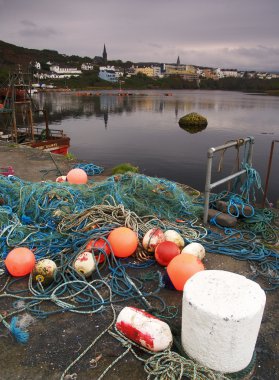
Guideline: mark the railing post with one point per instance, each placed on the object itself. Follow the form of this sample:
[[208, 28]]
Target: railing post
[[207, 183], [210, 153], [250, 151], [268, 171]]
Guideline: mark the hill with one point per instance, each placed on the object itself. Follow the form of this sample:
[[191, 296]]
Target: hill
[[11, 55]]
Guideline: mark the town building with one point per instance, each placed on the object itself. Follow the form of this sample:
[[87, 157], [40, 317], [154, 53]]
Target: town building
[[186, 72], [87, 66], [70, 71], [109, 73], [150, 71]]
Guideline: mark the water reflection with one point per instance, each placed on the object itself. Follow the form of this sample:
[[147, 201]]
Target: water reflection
[[193, 129], [142, 128]]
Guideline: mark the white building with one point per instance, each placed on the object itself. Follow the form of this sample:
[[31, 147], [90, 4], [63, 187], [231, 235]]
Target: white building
[[87, 66], [229, 73], [71, 71], [109, 73], [37, 65], [219, 73]]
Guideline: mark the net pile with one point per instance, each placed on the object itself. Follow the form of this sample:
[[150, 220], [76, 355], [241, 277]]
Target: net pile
[[31, 212]]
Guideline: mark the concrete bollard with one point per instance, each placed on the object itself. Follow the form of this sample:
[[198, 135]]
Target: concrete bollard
[[221, 318]]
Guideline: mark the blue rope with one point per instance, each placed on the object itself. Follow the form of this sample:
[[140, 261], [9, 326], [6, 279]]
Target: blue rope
[[90, 169]]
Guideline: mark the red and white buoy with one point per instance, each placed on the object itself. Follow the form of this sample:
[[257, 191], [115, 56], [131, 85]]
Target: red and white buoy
[[61, 179], [85, 264], [144, 329], [152, 238]]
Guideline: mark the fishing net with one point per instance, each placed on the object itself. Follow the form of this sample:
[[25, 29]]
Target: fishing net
[[32, 211]]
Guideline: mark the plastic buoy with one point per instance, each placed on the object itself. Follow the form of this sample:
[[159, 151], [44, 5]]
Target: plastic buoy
[[96, 246], [175, 237], [182, 267], [61, 179], [44, 271], [152, 238], [77, 177], [165, 252], [195, 249], [123, 241], [144, 329], [20, 261], [85, 264]]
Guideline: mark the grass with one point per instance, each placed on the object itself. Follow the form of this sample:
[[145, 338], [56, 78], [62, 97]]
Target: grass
[[124, 168], [70, 156]]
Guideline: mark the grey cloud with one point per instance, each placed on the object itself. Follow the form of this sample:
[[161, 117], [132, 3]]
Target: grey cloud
[[33, 30], [208, 33], [28, 23]]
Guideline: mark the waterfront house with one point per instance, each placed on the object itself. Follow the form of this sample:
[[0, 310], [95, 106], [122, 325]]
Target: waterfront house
[[109, 73]]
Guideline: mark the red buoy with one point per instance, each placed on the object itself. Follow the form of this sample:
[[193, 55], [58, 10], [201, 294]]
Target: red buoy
[[96, 245], [20, 261], [165, 252], [123, 241]]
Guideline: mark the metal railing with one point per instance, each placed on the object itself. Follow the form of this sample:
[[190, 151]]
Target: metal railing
[[210, 153], [268, 171]]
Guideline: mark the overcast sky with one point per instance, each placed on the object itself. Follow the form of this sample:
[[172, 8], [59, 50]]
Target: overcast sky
[[241, 34]]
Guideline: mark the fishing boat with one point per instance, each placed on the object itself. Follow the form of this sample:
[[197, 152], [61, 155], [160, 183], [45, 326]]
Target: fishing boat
[[16, 119]]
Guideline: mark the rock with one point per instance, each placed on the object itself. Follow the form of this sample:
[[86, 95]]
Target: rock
[[193, 122]]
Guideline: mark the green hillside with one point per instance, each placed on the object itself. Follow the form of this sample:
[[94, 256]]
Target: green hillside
[[11, 55]]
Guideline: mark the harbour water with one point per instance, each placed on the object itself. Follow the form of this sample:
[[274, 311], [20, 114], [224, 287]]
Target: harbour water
[[142, 128]]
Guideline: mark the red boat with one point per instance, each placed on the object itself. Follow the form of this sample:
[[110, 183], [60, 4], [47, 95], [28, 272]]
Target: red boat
[[7, 171], [16, 110], [6, 92]]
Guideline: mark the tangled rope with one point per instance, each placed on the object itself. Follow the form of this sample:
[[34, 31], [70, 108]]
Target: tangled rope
[[90, 169], [172, 366]]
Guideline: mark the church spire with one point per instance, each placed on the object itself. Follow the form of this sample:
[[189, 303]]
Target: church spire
[[178, 61], [105, 56]]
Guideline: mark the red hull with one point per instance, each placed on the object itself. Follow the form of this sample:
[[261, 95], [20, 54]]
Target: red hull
[[57, 146]]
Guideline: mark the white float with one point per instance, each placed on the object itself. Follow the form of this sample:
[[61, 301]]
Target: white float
[[152, 238], [221, 318], [144, 329], [62, 178], [195, 249], [85, 264], [44, 271], [175, 237]]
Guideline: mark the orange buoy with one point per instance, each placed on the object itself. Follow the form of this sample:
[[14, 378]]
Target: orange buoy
[[123, 241], [96, 245], [77, 177], [182, 267], [20, 261], [165, 252]]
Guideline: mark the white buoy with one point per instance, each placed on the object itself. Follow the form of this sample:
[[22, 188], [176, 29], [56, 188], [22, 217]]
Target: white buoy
[[221, 318], [175, 237], [152, 238], [195, 249], [62, 178], [85, 264], [144, 329], [44, 271]]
